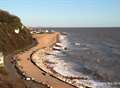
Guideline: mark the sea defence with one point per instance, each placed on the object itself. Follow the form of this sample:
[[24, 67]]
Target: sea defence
[[29, 69]]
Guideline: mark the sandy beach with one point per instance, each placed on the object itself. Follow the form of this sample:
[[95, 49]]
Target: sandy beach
[[31, 70]]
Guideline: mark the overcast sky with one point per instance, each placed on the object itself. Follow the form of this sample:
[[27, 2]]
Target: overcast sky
[[65, 13]]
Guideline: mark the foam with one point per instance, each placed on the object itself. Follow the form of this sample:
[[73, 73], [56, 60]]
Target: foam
[[66, 69]]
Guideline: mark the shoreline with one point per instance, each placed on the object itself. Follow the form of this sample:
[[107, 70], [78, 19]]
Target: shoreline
[[42, 67], [39, 59], [28, 68], [39, 62]]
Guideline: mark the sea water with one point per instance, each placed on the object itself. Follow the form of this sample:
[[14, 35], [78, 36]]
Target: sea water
[[94, 54]]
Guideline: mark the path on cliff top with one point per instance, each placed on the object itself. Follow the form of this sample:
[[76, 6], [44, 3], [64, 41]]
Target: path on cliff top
[[34, 72]]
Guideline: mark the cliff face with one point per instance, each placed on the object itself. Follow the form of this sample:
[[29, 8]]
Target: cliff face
[[13, 34]]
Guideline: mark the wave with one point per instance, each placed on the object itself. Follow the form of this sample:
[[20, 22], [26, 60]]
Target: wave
[[66, 69]]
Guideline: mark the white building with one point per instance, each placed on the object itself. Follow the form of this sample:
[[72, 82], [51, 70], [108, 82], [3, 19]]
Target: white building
[[1, 58], [17, 31]]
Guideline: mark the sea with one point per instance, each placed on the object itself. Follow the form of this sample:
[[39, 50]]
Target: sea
[[93, 54]]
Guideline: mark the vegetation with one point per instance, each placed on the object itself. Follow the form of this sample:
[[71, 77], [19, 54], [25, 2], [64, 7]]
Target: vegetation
[[9, 40]]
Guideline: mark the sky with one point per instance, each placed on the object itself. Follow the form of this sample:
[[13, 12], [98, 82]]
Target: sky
[[65, 13]]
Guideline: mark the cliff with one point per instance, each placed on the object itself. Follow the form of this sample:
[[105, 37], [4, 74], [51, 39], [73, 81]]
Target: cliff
[[13, 34]]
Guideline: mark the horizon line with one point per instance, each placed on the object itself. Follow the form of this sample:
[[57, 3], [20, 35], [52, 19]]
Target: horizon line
[[69, 27]]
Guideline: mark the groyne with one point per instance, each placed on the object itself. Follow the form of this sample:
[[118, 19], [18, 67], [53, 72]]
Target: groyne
[[28, 68]]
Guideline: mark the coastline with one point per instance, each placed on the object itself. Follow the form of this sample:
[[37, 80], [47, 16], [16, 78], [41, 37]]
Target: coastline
[[97, 83], [25, 65], [39, 58]]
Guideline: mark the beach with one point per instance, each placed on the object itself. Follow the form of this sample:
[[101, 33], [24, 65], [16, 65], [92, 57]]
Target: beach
[[25, 65], [74, 67], [46, 60]]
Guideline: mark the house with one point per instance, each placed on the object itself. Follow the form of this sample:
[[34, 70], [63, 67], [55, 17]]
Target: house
[[17, 31]]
